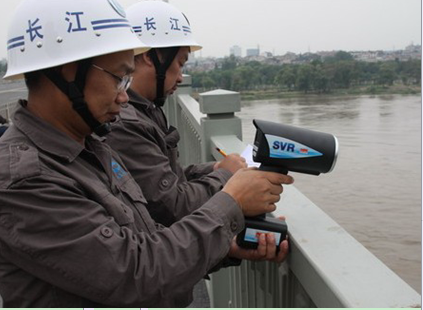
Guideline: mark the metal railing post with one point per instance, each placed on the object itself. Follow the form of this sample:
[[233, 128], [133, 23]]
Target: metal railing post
[[220, 106], [8, 116]]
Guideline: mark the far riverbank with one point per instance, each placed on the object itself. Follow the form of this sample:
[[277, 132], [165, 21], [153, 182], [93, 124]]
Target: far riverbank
[[273, 93], [360, 90]]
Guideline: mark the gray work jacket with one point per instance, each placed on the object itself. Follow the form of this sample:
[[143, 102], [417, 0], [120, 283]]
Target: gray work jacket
[[74, 230], [148, 147]]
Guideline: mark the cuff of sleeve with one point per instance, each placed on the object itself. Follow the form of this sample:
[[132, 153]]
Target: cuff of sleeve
[[224, 175], [198, 170], [224, 263], [231, 213], [208, 167], [231, 261]]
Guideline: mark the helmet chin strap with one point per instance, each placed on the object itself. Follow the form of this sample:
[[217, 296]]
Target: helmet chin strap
[[161, 69], [75, 92]]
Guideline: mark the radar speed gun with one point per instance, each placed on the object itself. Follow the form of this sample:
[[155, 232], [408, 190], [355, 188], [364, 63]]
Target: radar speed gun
[[282, 148]]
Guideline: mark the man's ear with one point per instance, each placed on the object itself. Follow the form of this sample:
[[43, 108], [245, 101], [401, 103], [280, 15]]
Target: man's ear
[[146, 58]]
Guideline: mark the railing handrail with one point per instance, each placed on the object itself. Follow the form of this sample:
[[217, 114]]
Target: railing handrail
[[189, 106], [345, 273], [8, 109]]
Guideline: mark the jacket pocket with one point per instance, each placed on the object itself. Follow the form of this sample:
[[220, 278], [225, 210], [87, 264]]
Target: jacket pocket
[[122, 214], [133, 193]]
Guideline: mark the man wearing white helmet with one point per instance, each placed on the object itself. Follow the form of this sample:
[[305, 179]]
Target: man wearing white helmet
[[148, 146], [74, 229]]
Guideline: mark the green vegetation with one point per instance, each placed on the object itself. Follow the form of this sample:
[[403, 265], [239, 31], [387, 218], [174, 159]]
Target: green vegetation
[[340, 74]]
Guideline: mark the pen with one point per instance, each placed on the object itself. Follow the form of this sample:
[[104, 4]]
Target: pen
[[221, 152]]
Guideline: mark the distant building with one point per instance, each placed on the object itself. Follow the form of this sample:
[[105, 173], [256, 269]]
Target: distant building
[[253, 52], [236, 51], [413, 49], [413, 52]]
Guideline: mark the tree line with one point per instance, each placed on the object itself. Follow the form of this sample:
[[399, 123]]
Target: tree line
[[318, 75]]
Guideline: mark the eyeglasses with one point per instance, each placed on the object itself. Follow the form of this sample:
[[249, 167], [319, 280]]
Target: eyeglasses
[[124, 82]]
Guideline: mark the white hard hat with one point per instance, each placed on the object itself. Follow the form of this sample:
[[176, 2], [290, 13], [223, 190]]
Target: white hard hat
[[159, 25], [48, 33]]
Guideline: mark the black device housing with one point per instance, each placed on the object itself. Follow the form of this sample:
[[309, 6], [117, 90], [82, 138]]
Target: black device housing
[[322, 158], [264, 224], [324, 143]]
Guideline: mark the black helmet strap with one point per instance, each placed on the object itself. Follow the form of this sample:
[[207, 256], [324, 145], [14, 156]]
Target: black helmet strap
[[161, 69], [75, 92]]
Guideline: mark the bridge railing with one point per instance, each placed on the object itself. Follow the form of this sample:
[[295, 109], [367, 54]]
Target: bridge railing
[[326, 268], [7, 109]]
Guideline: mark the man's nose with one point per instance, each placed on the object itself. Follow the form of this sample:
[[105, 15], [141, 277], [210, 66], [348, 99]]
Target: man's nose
[[122, 98]]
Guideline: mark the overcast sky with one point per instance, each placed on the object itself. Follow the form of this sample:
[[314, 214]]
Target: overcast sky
[[297, 26]]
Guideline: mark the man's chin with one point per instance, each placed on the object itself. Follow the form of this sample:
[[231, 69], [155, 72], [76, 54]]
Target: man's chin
[[172, 91]]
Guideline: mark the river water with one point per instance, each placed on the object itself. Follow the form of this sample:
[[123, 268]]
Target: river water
[[374, 191]]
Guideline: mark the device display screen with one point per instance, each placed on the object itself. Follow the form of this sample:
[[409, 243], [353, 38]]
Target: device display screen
[[252, 235]]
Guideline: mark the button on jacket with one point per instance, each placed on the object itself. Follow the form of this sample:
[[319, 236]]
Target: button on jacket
[[74, 230], [148, 147]]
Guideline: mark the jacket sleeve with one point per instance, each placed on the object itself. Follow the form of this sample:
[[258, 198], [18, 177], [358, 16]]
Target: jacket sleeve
[[169, 196], [51, 230], [197, 171]]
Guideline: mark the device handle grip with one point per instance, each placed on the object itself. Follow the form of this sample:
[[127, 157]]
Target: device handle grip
[[273, 169]]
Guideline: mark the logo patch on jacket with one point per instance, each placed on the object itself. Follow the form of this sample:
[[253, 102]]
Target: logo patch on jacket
[[118, 170]]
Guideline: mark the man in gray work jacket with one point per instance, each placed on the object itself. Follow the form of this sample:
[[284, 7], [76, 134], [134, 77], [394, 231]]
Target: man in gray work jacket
[[142, 136], [74, 230]]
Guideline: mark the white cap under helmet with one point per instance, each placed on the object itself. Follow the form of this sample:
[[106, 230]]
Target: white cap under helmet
[[158, 24], [50, 33]]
